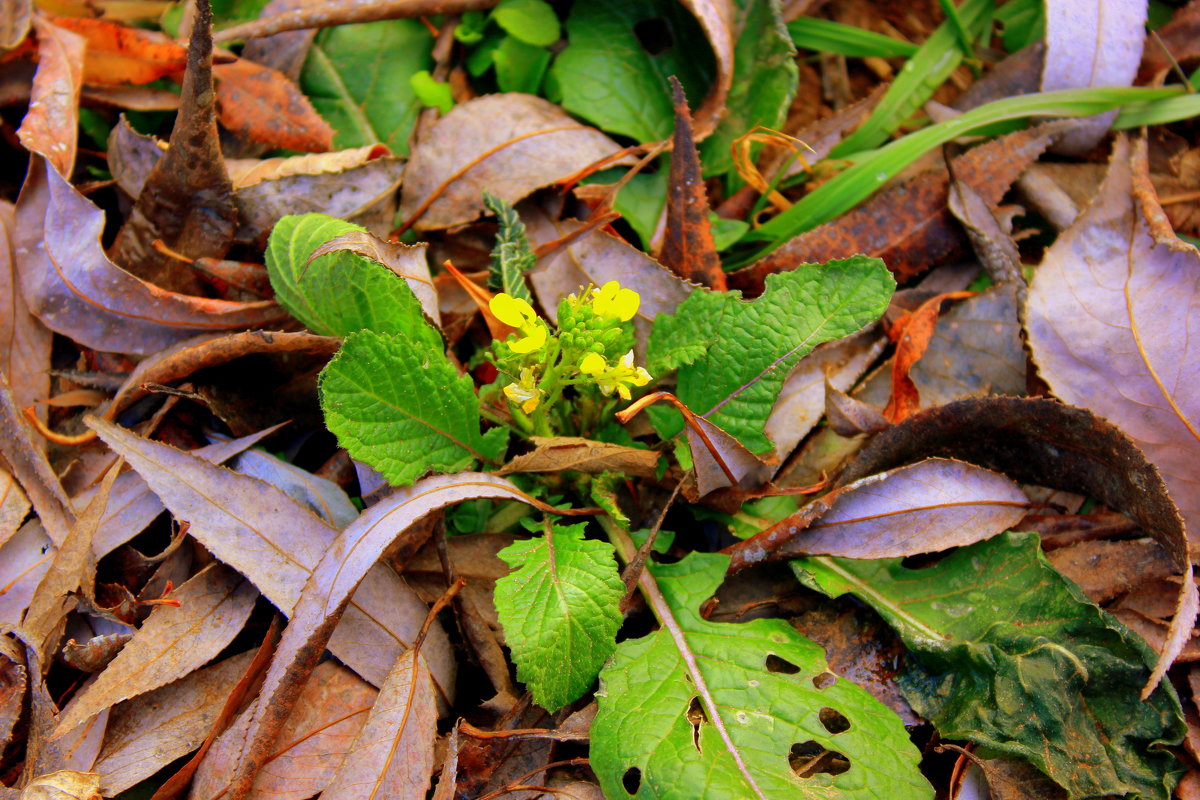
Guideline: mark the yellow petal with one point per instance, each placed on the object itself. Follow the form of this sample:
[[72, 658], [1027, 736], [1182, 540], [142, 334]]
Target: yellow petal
[[593, 364], [512, 310], [535, 338]]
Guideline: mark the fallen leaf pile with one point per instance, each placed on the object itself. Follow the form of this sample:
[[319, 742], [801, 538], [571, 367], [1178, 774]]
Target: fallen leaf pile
[[889, 491]]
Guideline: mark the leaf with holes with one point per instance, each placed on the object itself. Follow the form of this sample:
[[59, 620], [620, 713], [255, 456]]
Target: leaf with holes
[[702, 710], [733, 355], [1009, 654], [559, 611]]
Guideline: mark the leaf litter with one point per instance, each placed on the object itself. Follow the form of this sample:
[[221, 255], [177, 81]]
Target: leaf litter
[[373, 301]]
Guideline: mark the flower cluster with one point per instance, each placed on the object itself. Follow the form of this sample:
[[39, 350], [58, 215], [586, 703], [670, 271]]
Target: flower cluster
[[592, 346]]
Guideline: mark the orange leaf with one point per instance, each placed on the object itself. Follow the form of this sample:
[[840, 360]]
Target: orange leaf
[[118, 54], [912, 334], [265, 106]]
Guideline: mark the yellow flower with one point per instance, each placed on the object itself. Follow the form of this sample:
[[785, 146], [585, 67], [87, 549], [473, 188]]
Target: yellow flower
[[610, 300], [519, 314], [610, 378], [524, 392]]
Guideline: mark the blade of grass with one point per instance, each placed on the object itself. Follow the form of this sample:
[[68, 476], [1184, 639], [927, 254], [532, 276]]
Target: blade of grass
[[919, 79], [875, 168], [826, 36], [960, 29]]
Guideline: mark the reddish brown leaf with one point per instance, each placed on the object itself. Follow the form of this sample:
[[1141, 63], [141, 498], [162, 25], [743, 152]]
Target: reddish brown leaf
[[119, 54], [265, 106], [914, 333], [908, 225], [688, 247], [1105, 570], [49, 127], [187, 201], [24, 341], [15, 17], [13, 680]]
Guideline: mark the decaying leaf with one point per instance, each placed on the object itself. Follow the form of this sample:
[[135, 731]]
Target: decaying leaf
[[554, 454], [24, 341], [266, 106], [50, 126], [14, 505], [64, 784], [509, 144]]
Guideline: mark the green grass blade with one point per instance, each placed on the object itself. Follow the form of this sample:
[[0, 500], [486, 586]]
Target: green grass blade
[[921, 76], [826, 36], [875, 168]]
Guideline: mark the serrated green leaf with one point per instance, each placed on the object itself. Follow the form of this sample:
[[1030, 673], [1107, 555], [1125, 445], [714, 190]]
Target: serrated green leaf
[[695, 711], [531, 21], [357, 77], [609, 78], [341, 292], [765, 78], [559, 609], [512, 255], [733, 355], [398, 404], [1009, 654]]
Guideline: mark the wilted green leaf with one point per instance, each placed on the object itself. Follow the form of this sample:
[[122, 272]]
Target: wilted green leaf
[[341, 292], [512, 256], [764, 80], [707, 710], [733, 355], [559, 609], [358, 79], [1009, 654], [611, 78], [397, 403]]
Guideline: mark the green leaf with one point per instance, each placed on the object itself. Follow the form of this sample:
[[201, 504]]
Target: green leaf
[[532, 21], [512, 255], [733, 355], [701, 710], [520, 67], [341, 292], [1009, 654], [765, 78], [398, 404], [357, 77], [642, 199], [920, 78], [559, 609], [608, 77], [432, 93], [827, 36]]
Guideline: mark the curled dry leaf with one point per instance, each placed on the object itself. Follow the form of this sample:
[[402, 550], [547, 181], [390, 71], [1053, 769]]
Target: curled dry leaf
[[24, 342], [558, 453], [1048, 444], [509, 144], [328, 715], [716, 17], [392, 756], [75, 290], [147, 732], [1092, 43], [926, 507], [342, 567], [173, 642], [49, 127], [65, 784], [276, 542]]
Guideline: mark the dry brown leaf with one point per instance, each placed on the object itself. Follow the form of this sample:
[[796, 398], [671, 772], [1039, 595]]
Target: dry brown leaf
[[15, 17], [312, 745], [24, 559], [926, 507], [31, 468], [716, 17], [848, 416], [49, 127], [267, 107], [597, 258], [392, 756], [151, 730], [1105, 570], [509, 144], [558, 453], [120, 54], [342, 567], [24, 342], [14, 506], [276, 542], [65, 784], [13, 680], [174, 641]]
